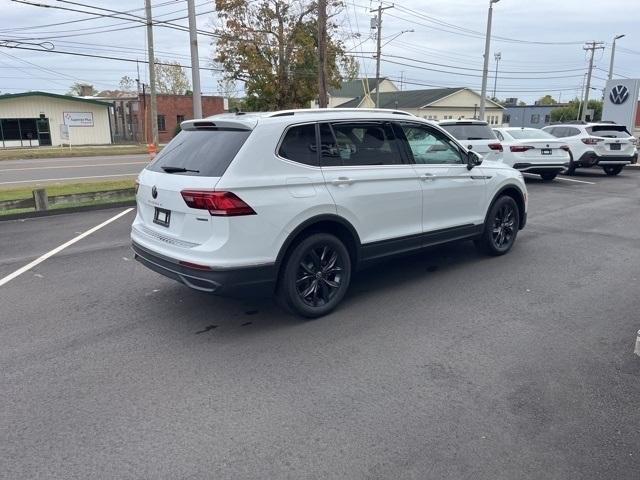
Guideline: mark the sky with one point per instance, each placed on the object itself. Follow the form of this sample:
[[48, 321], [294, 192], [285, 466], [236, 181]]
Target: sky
[[540, 42]]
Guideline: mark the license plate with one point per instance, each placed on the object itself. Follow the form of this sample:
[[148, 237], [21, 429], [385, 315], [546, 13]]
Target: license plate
[[162, 217], [614, 146], [546, 151]]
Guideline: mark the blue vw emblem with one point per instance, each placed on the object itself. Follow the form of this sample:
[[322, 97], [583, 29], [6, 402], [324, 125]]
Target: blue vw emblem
[[619, 94]]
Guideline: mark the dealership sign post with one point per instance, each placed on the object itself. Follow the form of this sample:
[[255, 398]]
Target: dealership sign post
[[621, 102]]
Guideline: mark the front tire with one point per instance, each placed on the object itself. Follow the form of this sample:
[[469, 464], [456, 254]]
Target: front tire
[[612, 169], [500, 228], [548, 176], [316, 276]]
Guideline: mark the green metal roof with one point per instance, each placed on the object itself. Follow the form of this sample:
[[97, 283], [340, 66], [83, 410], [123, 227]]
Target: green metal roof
[[9, 96], [354, 88]]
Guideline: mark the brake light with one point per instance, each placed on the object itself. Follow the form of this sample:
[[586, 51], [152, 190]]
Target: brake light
[[221, 204], [591, 140], [520, 148], [565, 148], [194, 266], [495, 146]]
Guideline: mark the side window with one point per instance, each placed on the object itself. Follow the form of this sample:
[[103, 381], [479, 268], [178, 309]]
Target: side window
[[329, 154], [359, 144], [559, 132], [499, 135], [572, 132], [299, 145], [428, 146]]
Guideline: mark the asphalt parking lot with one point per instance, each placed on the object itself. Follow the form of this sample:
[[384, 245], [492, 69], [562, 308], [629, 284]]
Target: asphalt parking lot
[[443, 365]]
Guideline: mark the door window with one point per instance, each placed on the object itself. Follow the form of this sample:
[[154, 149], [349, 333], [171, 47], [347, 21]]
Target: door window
[[428, 146], [357, 144], [299, 145]]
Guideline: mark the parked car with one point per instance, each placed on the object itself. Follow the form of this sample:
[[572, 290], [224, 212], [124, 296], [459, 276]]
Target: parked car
[[533, 151], [293, 202], [476, 135], [603, 144]]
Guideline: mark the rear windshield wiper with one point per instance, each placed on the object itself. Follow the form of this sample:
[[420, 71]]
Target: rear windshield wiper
[[170, 169]]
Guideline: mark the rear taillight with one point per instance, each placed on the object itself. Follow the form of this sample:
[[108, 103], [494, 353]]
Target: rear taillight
[[634, 140], [222, 204], [565, 148], [495, 146], [591, 140], [136, 186], [194, 266], [520, 148]]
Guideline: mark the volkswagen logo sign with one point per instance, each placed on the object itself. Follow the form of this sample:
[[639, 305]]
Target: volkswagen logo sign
[[619, 94], [154, 192]]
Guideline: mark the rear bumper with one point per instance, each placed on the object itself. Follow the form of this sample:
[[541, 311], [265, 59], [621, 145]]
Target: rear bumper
[[588, 159], [253, 281], [540, 167]]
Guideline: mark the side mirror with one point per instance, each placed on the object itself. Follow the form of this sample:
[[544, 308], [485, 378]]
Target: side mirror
[[473, 160]]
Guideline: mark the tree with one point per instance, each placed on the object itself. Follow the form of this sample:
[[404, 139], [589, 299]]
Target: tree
[[271, 46], [170, 78], [127, 84], [547, 100], [77, 90], [570, 111]]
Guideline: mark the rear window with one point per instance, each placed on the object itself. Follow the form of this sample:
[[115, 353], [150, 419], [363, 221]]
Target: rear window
[[203, 153], [529, 134], [610, 131], [470, 131]]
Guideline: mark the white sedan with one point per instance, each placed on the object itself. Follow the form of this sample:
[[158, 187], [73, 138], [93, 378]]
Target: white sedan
[[531, 150]]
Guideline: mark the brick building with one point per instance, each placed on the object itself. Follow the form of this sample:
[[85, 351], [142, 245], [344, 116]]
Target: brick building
[[173, 109]]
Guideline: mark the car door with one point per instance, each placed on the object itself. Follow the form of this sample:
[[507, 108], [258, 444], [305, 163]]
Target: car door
[[452, 195], [372, 185]]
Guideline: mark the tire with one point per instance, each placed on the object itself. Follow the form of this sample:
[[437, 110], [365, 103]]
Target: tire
[[612, 169], [315, 276], [500, 227], [548, 176]]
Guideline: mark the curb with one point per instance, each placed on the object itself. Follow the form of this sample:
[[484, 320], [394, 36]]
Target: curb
[[60, 211]]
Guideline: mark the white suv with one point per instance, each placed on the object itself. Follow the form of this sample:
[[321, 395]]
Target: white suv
[[606, 145], [476, 135], [293, 202]]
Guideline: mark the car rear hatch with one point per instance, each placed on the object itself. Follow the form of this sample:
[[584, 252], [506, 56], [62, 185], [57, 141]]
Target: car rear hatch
[[540, 151], [192, 162], [612, 140], [477, 137]]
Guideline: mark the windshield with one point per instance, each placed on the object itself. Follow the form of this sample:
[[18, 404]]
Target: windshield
[[470, 131], [529, 134], [204, 153], [609, 131]]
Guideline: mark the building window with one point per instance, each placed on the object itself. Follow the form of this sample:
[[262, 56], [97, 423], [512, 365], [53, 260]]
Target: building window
[[161, 123], [179, 119], [535, 118], [506, 118], [547, 119]]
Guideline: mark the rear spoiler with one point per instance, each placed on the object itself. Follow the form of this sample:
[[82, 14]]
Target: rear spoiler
[[217, 124]]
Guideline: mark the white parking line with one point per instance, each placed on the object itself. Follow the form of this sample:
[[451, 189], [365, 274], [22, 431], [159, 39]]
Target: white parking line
[[36, 180], [71, 166], [51, 253], [533, 175]]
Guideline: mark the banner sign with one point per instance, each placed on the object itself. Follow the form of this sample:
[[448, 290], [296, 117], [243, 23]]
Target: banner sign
[[78, 119], [621, 101]]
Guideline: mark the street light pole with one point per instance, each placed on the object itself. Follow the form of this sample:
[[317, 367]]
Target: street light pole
[[379, 48], [498, 57], [613, 53], [152, 75], [195, 61], [485, 69]]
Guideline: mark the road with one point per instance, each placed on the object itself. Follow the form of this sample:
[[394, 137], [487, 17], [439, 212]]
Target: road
[[442, 365], [43, 171]]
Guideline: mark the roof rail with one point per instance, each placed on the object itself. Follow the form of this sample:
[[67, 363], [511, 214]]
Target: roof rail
[[285, 113]]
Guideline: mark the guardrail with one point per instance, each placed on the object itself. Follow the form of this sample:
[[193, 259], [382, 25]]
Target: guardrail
[[41, 201]]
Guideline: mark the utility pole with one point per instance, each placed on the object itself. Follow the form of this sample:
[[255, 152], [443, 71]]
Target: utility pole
[[497, 57], [485, 69], [195, 61], [590, 47], [378, 26], [152, 74], [613, 53], [322, 53]]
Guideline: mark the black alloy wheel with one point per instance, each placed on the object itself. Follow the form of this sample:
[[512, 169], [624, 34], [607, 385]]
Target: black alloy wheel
[[612, 169], [316, 275], [501, 227], [504, 224]]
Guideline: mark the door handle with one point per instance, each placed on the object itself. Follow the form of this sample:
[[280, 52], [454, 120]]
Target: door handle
[[427, 177], [341, 181]]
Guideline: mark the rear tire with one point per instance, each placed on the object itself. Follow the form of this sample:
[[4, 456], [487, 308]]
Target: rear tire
[[500, 227], [612, 169], [571, 169], [548, 176], [316, 276]]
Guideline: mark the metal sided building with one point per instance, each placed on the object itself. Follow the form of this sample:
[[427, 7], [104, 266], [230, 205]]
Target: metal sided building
[[34, 119]]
